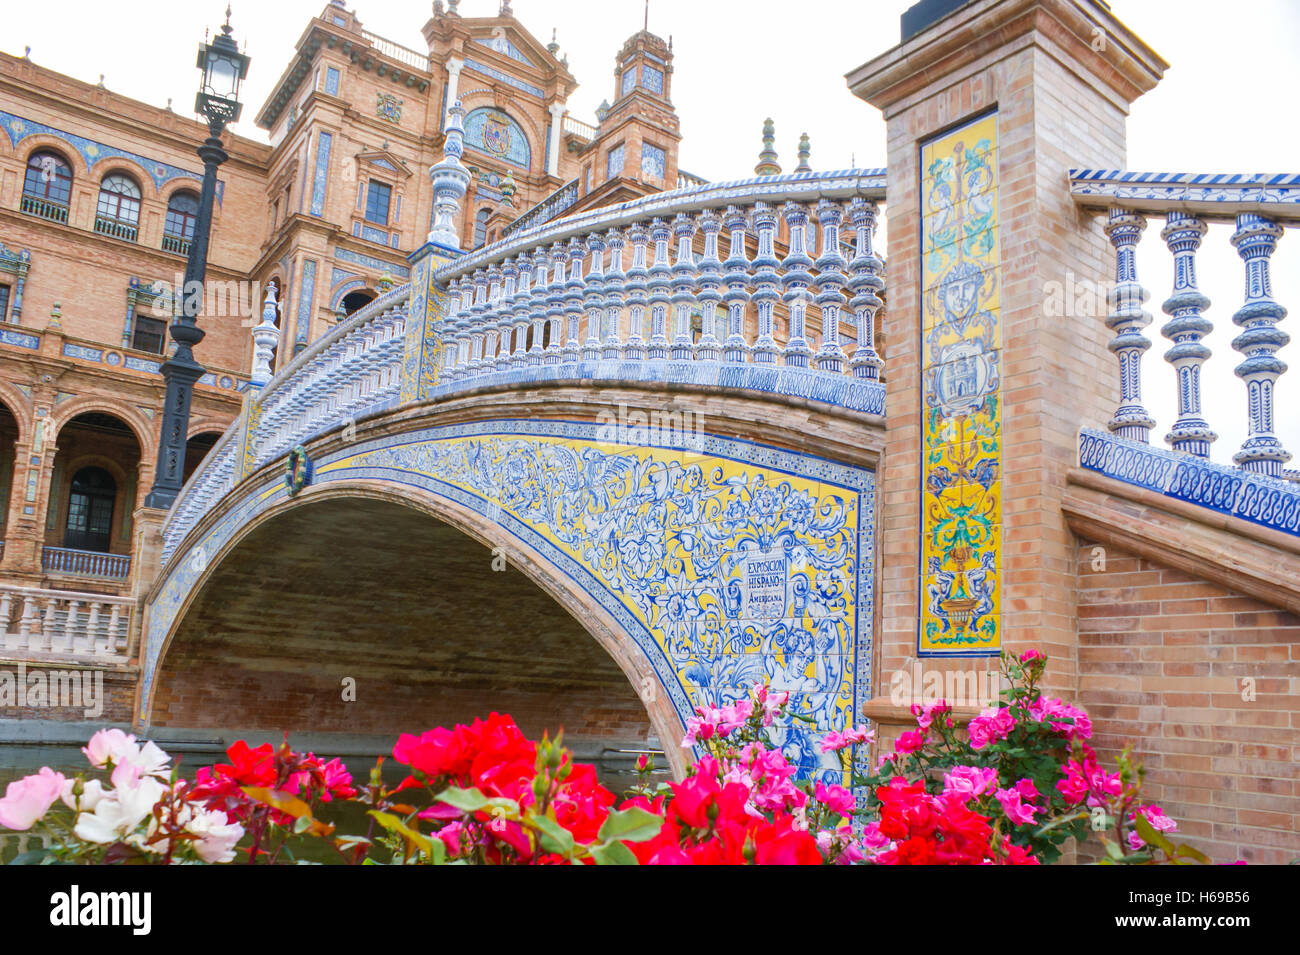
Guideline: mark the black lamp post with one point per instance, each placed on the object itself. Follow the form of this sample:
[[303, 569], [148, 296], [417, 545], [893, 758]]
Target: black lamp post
[[224, 67]]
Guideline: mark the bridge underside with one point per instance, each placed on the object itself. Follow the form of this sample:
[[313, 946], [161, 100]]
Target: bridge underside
[[405, 605]]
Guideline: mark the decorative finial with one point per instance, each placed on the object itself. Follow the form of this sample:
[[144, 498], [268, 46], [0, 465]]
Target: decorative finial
[[646, 25], [56, 316], [27, 53], [451, 8], [385, 283], [101, 81], [225, 27], [805, 149], [767, 159], [602, 111], [505, 9], [437, 8], [266, 336], [340, 313], [508, 190], [450, 180], [553, 47]]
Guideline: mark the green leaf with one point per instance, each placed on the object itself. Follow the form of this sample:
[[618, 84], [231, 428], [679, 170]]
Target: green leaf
[[472, 800], [394, 824], [553, 836], [1150, 835], [468, 800], [630, 825], [30, 857], [613, 853], [1187, 852], [289, 805]]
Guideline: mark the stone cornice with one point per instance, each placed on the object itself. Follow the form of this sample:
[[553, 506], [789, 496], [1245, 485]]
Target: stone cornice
[[1225, 550], [140, 122], [1084, 30]]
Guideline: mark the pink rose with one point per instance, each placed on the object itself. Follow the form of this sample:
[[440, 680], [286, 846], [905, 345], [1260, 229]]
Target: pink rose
[[835, 798], [910, 742], [26, 800], [1015, 810], [991, 725], [109, 744], [967, 782]]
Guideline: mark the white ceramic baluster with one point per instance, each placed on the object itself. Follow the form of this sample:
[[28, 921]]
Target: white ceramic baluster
[[830, 282], [735, 348]]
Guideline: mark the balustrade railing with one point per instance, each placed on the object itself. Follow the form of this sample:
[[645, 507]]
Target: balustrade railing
[[174, 243], [644, 291], [574, 125], [687, 180], [1260, 487], [117, 228], [353, 371], [44, 208], [85, 563], [48, 624], [398, 52], [641, 291], [546, 210]]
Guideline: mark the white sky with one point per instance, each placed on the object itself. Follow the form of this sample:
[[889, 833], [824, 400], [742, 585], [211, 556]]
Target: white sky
[[1225, 105]]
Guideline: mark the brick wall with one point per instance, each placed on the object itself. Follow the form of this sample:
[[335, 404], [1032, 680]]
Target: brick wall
[[1162, 660], [431, 634]]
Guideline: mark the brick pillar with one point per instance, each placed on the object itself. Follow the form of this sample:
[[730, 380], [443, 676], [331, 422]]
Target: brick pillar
[[23, 533], [997, 100]]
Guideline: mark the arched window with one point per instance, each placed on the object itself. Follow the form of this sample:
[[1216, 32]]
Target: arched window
[[480, 226], [47, 186], [118, 213], [178, 229], [488, 130], [90, 510]]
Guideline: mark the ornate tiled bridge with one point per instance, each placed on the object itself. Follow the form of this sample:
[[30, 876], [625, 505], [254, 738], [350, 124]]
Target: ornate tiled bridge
[[629, 461]]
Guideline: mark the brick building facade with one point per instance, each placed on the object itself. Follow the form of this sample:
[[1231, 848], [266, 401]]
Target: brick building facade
[[97, 201]]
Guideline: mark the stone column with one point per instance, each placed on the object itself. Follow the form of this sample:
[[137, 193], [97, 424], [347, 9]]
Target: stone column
[[454, 66], [146, 554], [557, 133], [1012, 93]]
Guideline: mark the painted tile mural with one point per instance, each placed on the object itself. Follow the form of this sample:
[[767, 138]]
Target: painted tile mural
[[961, 493], [726, 562]]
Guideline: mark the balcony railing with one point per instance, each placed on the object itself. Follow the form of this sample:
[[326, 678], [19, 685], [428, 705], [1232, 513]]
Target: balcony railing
[[398, 52], [117, 228], [354, 371], [600, 294], [687, 180], [85, 563], [546, 210], [174, 243], [44, 208], [39, 624], [1258, 486], [575, 125]]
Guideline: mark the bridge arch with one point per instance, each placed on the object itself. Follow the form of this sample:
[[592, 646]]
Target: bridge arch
[[602, 685]]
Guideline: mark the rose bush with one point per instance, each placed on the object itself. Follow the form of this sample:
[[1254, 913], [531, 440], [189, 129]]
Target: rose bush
[[1023, 768], [1010, 789]]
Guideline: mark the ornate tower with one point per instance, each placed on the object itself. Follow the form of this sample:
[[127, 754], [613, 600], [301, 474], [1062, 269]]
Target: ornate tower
[[635, 149]]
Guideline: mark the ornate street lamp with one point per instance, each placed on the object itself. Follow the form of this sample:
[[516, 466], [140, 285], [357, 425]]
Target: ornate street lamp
[[224, 67]]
